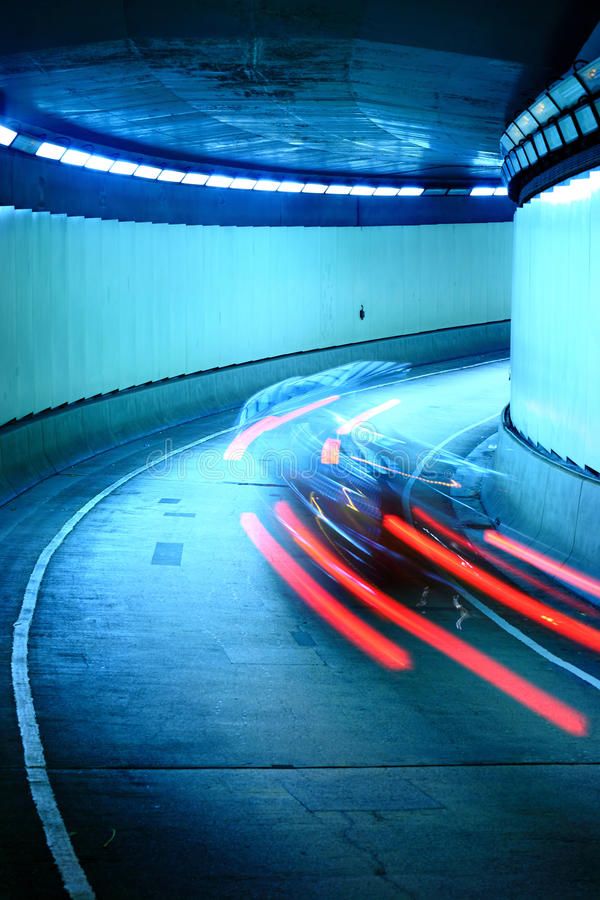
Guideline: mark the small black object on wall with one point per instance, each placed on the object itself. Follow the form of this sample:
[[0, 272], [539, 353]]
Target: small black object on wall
[[361, 312]]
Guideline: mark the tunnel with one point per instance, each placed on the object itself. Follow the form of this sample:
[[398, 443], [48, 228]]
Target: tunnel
[[299, 450]]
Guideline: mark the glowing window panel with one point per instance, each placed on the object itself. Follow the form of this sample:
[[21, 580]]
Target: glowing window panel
[[195, 178], [522, 158], [506, 143], [508, 166], [501, 191], [590, 75], [99, 163], [219, 181], [567, 129], [435, 192], [586, 119], [171, 175], [75, 157], [410, 191], [26, 144], [385, 192], [515, 134], [313, 188], [567, 92], [123, 167], [482, 192], [459, 192], [243, 184], [544, 108], [552, 137], [7, 136], [150, 172], [266, 184], [526, 123], [291, 187], [362, 190], [50, 151], [339, 189], [529, 150], [540, 144]]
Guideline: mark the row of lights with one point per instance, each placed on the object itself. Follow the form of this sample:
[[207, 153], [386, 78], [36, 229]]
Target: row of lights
[[546, 125], [83, 159]]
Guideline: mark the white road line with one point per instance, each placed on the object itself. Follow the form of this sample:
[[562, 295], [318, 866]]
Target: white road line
[[502, 623], [57, 836], [529, 642]]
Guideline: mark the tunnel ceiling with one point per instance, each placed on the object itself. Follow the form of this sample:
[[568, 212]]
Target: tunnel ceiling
[[383, 87]]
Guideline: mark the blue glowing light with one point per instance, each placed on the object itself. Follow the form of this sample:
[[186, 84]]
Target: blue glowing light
[[171, 175], [266, 184], [195, 178], [73, 157], [339, 189], [220, 181], [501, 192], [312, 188], [291, 187], [150, 172], [362, 190], [50, 151], [243, 184], [99, 163], [482, 192], [385, 192], [123, 167], [410, 191], [7, 136]]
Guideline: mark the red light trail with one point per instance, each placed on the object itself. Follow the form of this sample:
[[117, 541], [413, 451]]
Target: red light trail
[[506, 594], [485, 667], [380, 648]]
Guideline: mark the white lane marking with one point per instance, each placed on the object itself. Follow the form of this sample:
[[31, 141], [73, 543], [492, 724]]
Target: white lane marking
[[429, 456], [57, 836], [486, 362], [502, 623], [520, 636]]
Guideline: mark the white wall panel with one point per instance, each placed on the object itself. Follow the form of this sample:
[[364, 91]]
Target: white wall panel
[[90, 306], [555, 396]]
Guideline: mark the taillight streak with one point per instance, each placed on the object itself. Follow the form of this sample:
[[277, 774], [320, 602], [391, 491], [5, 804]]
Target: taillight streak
[[485, 667], [545, 563], [242, 441], [362, 635], [504, 593]]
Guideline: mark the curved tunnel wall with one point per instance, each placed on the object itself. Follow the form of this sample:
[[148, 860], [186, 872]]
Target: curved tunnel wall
[[555, 353], [91, 306]]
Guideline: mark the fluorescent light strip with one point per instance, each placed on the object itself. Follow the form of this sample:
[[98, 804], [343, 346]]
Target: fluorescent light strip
[[7, 136], [243, 184], [265, 184], [339, 189], [75, 157], [171, 175], [150, 172], [291, 187], [99, 163], [219, 181], [123, 167], [50, 151], [195, 178]]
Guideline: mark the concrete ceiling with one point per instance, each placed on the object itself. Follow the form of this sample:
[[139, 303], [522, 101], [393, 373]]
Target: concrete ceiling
[[378, 88]]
